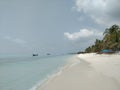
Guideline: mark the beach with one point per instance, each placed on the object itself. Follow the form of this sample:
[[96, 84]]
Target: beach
[[87, 72]]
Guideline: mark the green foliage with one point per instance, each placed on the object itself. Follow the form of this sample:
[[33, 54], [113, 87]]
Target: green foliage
[[111, 40]]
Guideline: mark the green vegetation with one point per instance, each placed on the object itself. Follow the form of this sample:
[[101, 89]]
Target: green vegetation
[[111, 40]]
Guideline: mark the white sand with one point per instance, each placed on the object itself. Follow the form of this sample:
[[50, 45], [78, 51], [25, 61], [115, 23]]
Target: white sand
[[94, 72]]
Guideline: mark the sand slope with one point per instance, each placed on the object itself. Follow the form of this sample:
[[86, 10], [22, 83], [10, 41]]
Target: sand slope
[[94, 72]]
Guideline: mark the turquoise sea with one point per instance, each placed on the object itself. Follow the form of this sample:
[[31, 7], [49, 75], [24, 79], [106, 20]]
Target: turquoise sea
[[25, 73]]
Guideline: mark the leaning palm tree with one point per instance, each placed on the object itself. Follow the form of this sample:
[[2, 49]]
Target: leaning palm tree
[[111, 40], [111, 37]]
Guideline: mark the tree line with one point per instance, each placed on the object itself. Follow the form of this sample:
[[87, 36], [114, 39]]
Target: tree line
[[110, 41]]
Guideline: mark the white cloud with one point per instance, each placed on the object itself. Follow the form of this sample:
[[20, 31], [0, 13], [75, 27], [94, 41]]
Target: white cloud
[[102, 11], [83, 33], [15, 40], [20, 41]]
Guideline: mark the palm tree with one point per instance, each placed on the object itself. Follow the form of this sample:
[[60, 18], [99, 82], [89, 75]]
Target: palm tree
[[98, 45], [111, 37], [88, 50], [111, 40]]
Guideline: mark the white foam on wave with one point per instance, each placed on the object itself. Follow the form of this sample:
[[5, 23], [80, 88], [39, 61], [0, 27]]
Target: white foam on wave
[[59, 72], [75, 63], [38, 84]]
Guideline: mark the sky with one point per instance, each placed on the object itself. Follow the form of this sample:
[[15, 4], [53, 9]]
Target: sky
[[54, 26]]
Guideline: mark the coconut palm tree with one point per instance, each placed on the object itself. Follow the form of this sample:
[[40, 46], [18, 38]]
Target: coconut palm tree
[[98, 45], [111, 40], [111, 37]]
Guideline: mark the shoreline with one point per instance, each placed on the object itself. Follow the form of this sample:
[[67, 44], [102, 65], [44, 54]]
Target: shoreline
[[87, 72], [54, 74]]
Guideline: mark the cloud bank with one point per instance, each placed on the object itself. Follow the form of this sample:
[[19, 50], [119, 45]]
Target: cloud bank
[[82, 34], [102, 11]]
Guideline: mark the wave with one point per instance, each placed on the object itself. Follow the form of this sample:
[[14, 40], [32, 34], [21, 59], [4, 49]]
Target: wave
[[49, 77], [58, 72]]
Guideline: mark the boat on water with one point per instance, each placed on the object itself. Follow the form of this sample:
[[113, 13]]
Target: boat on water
[[48, 54], [35, 54]]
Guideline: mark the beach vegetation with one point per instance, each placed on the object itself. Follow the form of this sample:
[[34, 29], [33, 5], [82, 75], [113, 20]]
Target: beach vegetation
[[111, 40]]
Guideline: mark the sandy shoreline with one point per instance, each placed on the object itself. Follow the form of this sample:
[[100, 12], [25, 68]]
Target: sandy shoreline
[[88, 72]]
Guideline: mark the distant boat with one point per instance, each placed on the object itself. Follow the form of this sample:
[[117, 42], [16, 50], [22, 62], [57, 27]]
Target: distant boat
[[35, 54], [48, 54]]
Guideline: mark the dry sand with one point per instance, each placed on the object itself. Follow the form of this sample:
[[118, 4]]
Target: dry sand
[[88, 72]]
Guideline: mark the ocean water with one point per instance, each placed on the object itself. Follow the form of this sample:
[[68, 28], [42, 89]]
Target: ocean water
[[25, 73]]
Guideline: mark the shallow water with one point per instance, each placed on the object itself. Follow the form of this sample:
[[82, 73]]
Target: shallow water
[[23, 73]]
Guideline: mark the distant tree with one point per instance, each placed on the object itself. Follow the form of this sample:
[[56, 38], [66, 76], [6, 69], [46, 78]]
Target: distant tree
[[98, 45], [88, 50]]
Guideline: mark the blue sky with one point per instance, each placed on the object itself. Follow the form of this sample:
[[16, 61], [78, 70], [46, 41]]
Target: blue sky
[[54, 26]]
